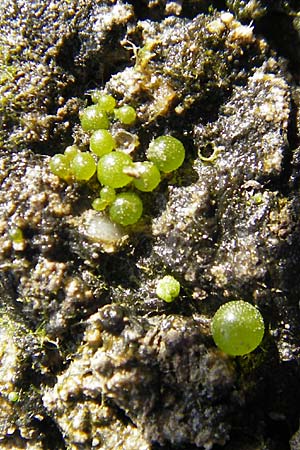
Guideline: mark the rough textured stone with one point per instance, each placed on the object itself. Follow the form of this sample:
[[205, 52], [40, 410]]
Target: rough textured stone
[[51, 54], [159, 372]]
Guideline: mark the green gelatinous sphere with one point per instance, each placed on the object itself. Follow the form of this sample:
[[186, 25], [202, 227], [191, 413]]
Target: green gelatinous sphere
[[102, 142], [99, 204], [111, 169], [108, 194], [13, 396], [126, 209], [126, 114], [59, 165], [237, 328], [93, 118], [168, 288], [148, 176], [83, 166], [71, 151], [105, 101], [166, 152], [16, 234]]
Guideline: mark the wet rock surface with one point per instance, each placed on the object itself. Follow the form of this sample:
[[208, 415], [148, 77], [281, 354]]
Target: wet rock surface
[[140, 365], [90, 356]]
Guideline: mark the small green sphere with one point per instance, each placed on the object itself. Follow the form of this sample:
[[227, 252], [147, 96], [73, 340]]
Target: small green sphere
[[148, 176], [83, 166], [16, 235], [59, 165], [102, 142], [108, 194], [111, 169], [126, 209], [99, 204], [71, 151], [168, 288], [105, 101], [166, 152], [126, 114], [237, 328], [13, 396], [93, 118]]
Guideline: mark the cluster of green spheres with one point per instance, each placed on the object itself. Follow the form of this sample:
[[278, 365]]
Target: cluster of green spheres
[[114, 168], [237, 328]]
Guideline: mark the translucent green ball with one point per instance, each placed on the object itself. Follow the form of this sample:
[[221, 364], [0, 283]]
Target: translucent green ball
[[237, 328], [108, 194], [148, 176], [99, 204], [71, 151], [83, 166], [16, 234], [59, 165], [126, 209], [126, 114], [167, 153], [93, 118], [168, 288], [105, 101], [102, 142], [111, 169]]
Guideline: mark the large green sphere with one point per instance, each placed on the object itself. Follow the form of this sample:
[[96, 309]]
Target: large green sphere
[[105, 102], [166, 152], [70, 152], [126, 209], [59, 165], [148, 176], [83, 166], [126, 114], [237, 328], [102, 142], [111, 169], [93, 118]]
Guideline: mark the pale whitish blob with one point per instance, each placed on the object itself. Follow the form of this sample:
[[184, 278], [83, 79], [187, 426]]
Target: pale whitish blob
[[242, 34], [216, 27], [99, 228], [227, 18]]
